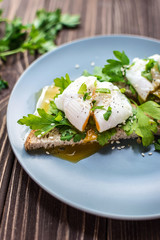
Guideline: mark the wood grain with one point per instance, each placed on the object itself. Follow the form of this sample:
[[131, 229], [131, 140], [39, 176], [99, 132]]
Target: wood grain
[[27, 211]]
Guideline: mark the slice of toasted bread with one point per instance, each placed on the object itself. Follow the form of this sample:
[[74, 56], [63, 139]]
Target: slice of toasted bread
[[52, 139]]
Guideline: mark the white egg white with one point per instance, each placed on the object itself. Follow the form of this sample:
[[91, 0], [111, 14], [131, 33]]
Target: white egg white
[[120, 107], [141, 84], [78, 110]]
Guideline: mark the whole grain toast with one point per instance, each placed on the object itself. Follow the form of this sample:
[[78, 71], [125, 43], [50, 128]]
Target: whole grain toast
[[52, 139]]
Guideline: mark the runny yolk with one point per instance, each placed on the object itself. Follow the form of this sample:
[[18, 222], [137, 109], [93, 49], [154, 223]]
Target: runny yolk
[[49, 95], [79, 151]]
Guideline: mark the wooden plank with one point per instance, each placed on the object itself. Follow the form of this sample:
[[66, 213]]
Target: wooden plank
[[31, 213], [28, 212], [137, 230]]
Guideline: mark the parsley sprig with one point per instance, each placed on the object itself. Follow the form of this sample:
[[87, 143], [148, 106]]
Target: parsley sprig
[[62, 82], [143, 122], [38, 36], [114, 67], [45, 122], [3, 84], [147, 72]]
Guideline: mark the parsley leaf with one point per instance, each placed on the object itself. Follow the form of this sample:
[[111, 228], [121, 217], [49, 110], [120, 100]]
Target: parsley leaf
[[97, 72], [122, 90], [43, 123], [3, 84], [103, 90], [67, 134], [79, 136], [82, 89], [108, 113], [53, 108], [86, 96], [151, 108], [62, 82], [114, 67], [122, 57], [70, 20], [143, 125], [97, 107], [157, 145], [104, 137], [39, 36], [147, 73]]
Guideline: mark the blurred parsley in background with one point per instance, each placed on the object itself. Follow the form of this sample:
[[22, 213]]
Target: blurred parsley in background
[[39, 36]]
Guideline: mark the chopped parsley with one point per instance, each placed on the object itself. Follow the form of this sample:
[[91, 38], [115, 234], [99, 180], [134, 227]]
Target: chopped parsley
[[108, 113], [43, 123], [97, 107], [114, 67], [62, 82], [38, 36], [147, 72], [103, 90], [104, 137], [82, 89], [3, 84], [86, 96], [143, 125], [122, 90], [157, 145]]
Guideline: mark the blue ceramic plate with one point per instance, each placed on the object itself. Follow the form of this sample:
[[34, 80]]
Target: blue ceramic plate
[[118, 184]]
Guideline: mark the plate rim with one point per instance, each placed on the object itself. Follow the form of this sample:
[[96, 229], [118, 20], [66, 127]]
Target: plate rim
[[58, 196]]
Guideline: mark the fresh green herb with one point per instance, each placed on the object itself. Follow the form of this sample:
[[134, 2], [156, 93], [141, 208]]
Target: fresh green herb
[[86, 73], [152, 109], [150, 64], [79, 136], [86, 96], [39, 36], [114, 67], [122, 57], [95, 83], [53, 108], [123, 90], [97, 72], [133, 91], [141, 124], [147, 73], [157, 145], [62, 82], [82, 89], [43, 123], [3, 84], [59, 117], [97, 107], [70, 20], [104, 137], [103, 90], [108, 113], [68, 134]]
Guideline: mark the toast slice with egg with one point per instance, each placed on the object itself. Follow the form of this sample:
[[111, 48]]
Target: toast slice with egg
[[65, 121]]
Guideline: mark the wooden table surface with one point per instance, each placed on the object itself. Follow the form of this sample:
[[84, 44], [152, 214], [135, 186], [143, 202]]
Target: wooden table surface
[[26, 210]]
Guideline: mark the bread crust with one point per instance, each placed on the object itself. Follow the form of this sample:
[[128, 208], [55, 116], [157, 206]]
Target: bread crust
[[52, 139]]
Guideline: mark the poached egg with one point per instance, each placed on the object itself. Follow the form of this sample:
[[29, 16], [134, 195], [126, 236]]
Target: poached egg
[[101, 95], [141, 84]]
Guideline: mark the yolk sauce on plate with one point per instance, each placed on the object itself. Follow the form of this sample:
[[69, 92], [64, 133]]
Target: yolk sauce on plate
[[78, 151]]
